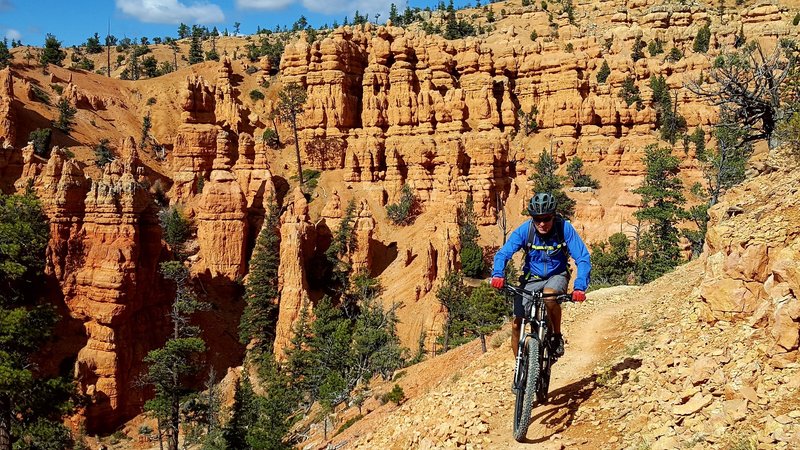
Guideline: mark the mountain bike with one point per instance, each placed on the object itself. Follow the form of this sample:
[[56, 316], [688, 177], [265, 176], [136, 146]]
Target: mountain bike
[[534, 356]]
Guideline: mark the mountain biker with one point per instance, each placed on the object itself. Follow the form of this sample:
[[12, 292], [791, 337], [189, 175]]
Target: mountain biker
[[548, 246]]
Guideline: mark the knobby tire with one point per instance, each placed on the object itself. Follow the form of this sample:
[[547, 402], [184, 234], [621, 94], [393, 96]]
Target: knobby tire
[[527, 395]]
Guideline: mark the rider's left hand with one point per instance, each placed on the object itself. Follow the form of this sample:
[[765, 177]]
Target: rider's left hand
[[578, 296]]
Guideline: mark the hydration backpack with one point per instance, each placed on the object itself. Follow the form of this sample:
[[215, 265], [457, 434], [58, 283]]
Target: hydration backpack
[[558, 237]]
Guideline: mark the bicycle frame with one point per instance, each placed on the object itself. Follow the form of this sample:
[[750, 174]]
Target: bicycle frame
[[539, 324]]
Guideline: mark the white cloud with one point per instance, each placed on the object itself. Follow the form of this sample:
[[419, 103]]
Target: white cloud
[[13, 34], [344, 7], [348, 7], [264, 4], [171, 11]]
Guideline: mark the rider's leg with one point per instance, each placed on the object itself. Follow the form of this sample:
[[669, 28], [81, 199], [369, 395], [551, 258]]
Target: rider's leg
[[553, 311], [515, 332]]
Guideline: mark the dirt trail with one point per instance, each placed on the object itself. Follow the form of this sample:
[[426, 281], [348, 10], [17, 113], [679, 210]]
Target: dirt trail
[[465, 397], [591, 331]]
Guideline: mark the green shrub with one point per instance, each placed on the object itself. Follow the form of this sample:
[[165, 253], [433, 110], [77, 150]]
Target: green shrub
[[396, 395], [349, 423], [176, 227], [472, 260], [102, 153], [674, 54], [569, 48], [40, 94], [57, 88], [630, 93], [256, 95], [404, 211], [271, 138], [796, 20], [702, 39], [655, 47], [603, 73], [534, 35], [611, 263], [41, 141], [151, 101]]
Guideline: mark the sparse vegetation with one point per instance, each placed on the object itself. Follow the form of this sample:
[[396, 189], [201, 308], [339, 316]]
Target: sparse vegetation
[[630, 93], [102, 153], [396, 395], [404, 211], [577, 175], [40, 138], [471, 253], [603, 73], [528, 120], [256, 95], [66, 115]]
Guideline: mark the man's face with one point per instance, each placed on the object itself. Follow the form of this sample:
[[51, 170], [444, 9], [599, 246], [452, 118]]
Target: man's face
[[543, 223]]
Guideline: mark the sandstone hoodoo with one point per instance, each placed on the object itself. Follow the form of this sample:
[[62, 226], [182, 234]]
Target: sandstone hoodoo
[[403, 126]]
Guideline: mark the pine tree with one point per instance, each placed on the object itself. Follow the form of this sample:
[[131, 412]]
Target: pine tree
[[291, 101], [451, 294], [337, 254], [93, 44], [196, 46], [545, 180], [52, 52], [257, 325], [604, 72], [471, 253], [171, 366], [5, 55], [484, 311], [578, 177], [66, 116], [611, 263], [661, 208], [31, 405]]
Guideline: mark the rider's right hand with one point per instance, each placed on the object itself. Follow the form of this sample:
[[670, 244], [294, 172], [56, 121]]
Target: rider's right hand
[[498, 282]]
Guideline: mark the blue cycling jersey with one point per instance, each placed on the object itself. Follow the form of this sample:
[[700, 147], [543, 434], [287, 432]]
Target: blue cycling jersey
[[548, 260]]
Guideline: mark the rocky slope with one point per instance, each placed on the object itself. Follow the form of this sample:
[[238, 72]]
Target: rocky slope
[[659, 366], [387, 106]]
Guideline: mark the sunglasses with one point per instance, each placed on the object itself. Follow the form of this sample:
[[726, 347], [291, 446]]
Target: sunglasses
[[542, 219]]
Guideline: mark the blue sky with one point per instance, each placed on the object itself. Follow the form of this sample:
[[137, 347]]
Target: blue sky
[[73, 21]]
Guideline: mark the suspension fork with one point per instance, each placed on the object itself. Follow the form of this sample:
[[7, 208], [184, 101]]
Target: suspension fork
[[520, 347]]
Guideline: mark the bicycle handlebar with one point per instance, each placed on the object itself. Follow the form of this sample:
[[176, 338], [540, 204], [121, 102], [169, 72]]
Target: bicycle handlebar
[[560, 298]]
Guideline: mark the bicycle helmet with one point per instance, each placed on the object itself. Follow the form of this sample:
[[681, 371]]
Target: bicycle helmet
[[542, 203]]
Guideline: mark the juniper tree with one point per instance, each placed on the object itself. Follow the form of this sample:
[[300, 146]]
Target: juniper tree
[[752, 87]]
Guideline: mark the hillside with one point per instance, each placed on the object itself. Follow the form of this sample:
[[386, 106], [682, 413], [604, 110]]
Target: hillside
[[658, 366], [387, 107]]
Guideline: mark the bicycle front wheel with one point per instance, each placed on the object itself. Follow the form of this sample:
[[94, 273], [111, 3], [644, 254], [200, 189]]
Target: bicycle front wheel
[[526, 395]]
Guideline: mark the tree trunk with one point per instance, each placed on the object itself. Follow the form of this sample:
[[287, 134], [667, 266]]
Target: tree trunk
[[275, 128], [174, 415], [483, 343], [297, 151], [5, 423]]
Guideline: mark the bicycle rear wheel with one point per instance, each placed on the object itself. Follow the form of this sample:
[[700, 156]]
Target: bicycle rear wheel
[[527, 394]]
